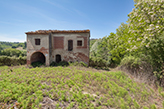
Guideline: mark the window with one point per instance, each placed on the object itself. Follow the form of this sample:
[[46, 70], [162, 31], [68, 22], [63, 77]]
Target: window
[[37, 41], [70, 45], [79, 43]]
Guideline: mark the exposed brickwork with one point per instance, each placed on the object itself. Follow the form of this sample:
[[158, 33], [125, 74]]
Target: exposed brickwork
[[58, 42], [83, 57], [85, 42], [76, 57], [43, 50], [55, 43]]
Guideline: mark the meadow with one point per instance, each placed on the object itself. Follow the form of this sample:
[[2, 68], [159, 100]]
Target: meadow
[[74, 87]]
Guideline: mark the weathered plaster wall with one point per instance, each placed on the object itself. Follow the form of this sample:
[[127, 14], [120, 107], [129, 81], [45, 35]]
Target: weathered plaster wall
[[57, 44], [43, 47], [77, 54]]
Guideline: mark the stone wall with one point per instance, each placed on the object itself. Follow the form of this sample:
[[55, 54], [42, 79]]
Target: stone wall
[[54, 44], [42, 48], [79, 53]]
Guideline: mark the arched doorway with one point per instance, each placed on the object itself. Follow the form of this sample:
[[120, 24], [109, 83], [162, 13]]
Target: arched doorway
[[58, 58], [38, 57]]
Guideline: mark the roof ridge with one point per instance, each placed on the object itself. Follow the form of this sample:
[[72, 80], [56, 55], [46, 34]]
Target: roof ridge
[[57, 31]]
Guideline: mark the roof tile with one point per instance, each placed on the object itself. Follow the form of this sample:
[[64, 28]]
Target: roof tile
[[57, 31]]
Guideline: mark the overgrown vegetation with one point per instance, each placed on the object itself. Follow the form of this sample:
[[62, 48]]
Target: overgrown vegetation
[[11, 56], [12, 61], [135, 44], [13, 52], [92, 41], [73, 87]]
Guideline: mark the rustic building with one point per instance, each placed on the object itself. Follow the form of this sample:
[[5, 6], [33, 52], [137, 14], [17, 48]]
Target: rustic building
[[49, 46]]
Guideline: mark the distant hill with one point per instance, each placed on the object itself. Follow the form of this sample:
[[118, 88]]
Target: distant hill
[[4, 45]]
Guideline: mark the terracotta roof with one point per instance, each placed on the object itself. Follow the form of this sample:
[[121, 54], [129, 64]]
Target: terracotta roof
[[57, 31]]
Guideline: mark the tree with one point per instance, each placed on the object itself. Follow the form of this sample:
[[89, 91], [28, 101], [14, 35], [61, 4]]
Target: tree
[[146, 24], [0, 49], [118, 43], [147, 19]]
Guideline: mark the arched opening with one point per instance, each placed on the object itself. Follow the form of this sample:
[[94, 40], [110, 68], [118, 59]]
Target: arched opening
[[38, 57], [58, 58]]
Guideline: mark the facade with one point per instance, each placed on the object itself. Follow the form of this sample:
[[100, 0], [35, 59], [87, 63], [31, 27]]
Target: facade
[[49, 46]]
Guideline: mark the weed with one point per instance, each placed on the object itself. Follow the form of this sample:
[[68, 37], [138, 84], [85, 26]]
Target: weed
[[72, 88]]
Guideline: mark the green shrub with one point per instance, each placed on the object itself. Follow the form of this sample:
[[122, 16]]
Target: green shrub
[[78, 64], [37, 64], [62, 63], [13, 52], [136, 65], [6, 60], [65, 63]]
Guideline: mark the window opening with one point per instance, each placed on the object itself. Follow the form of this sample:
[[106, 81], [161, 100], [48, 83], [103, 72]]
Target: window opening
[[70, 45], [79, 43], [58, 58], [37, 41]]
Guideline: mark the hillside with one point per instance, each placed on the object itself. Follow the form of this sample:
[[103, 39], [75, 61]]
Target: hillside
[[5, 45], [75, 88]]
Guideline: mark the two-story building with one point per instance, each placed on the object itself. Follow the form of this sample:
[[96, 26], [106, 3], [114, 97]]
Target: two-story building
[[49, 46]]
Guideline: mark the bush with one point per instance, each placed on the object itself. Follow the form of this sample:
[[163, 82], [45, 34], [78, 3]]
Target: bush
[[97, 62], [138, 67], [37, 64], [5, 60], [65, 63], [62, 63], [13, 52], [82, 64]]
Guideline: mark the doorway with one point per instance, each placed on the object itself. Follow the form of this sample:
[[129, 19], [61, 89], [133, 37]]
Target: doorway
[[58, 58], [38, 57]]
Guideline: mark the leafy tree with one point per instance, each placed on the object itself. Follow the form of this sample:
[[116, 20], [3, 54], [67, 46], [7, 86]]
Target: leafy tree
[[14, 46], [92, 41], [25, 45], [118, 43], [0, 49], [142, 37], [146, 23]]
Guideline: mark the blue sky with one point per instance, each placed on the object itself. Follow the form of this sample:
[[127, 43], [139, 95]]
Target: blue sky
[[100, 16]]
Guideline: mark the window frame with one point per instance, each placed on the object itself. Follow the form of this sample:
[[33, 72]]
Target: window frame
[[79, 43], [37, 41], [70, 45]]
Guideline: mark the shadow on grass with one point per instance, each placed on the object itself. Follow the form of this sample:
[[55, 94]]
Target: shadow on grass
[[37, 64], [101, 68], [61, 63], [65, 64]]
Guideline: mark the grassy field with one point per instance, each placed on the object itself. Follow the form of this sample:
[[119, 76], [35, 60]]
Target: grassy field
[[74, 87]]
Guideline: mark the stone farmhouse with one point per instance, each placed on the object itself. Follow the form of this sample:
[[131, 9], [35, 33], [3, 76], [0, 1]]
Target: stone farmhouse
[[49, 46]]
